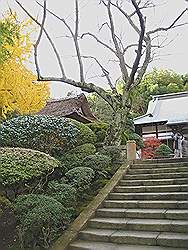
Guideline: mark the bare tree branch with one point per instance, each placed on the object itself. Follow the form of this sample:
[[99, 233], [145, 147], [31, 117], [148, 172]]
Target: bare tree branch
[[77, 45], [38, 40], [88, 87], [170, 26], [145, 64], [48, 37], [74, 36], [105, 72], [119, 53], [140, 43], [99, 41]]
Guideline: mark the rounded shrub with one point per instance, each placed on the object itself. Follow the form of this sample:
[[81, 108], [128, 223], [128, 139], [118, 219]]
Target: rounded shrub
[[100, 130], [80, 178], [85, 135], [21, 166], [98, 162], [114, 152], [40, 219], [62, 192], [74, 157], [163, 151], [7, 223], [44, 133]]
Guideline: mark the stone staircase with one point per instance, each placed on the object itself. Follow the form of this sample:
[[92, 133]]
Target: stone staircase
[[148, 209]]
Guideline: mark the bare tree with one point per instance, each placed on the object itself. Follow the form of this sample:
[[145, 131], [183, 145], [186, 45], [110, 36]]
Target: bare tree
[[131, 75]]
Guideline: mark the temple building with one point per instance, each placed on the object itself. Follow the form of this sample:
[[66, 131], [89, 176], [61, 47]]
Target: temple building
[[72, 107], [166, 115]]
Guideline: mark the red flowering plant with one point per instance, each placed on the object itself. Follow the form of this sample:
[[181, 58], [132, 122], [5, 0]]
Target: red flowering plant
[[150, 146]]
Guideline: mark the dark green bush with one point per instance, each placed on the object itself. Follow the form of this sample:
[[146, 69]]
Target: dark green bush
[[98, 162], [62, 192], [44, 133], [40, 217], [85, 135], [100, 130], [163, 151], [7, 223], [114, 152], [80, 178], [73, 158], [21, 166]]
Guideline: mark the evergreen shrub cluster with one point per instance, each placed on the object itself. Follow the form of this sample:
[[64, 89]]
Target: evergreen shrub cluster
[[53, 168]]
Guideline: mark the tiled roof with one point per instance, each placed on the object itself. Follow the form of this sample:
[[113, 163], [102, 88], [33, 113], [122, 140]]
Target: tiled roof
[[168, 108], [73, 107]]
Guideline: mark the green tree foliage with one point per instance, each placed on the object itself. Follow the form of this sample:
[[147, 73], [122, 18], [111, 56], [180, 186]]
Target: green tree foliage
[[157, 82], [9, 30], [100, 108], [100, 130]]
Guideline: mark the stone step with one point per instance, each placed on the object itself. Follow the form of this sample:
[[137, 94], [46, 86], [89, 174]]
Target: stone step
[[162, 188], [178, 169], [176, 214], [135, 237], [150, 204], [156, 176], [162, 161], [166, 165], [156, 182], [88, 245], [152, 225], [149, 196]]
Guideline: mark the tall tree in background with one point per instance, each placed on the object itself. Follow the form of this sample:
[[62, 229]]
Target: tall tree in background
[[142, 49], [157, 82], [17, 90]]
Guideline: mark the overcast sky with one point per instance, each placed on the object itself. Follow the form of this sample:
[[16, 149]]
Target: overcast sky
[[174, 56]]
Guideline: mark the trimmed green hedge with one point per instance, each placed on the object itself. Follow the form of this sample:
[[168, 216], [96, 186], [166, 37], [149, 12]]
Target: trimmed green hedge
[[22, 165], [80, 178], [62, 192], [40, 217], [98, 162], [74, 157], [85, 135], [48, 134], [100, 130]]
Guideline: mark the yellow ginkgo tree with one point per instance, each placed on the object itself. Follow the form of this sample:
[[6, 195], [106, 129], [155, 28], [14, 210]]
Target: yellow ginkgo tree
[[18, 92]]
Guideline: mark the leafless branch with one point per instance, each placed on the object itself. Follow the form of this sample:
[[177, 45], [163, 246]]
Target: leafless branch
[[98, 40], [140, 43], [38, 40], [170, 26], [119, 53], [147, 5], [74, 36], [105, 72], [48, 37]]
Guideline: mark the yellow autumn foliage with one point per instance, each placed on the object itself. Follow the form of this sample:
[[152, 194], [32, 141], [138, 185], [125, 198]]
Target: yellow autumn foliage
[[18, 92]]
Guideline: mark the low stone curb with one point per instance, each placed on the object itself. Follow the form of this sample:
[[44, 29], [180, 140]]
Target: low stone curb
[[71, 233]]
